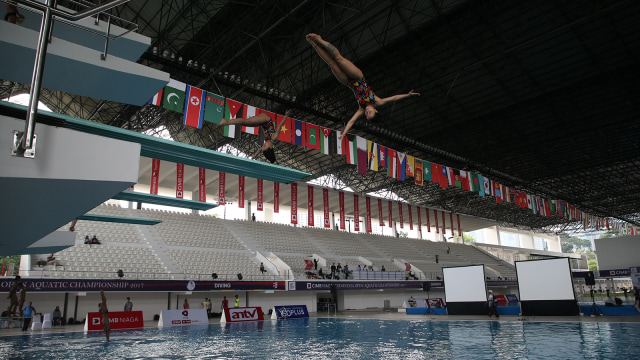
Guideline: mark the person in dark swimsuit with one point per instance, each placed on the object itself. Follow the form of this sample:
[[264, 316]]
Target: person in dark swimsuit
[[102, 307], [350, 75], [270, 131]]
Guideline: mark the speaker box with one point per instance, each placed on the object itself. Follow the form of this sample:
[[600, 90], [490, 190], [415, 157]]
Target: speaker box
[[426, 286]]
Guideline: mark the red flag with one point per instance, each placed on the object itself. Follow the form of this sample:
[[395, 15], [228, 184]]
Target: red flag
[[435, 220], [400, 214], [459, 228], [341, 201], [276, 197], [286, 130], [390, 214], [428, 220], [221, 188], [419, 218], [155, 172], [294, 203], [180, 181], [356, 212], [310, 206], [241, 191], [436, 172], [410, 218], [194, 107], [451, 222], [325, 200], [260, 195], [368, 202], [380, 212], [202, 184], [444, 224]]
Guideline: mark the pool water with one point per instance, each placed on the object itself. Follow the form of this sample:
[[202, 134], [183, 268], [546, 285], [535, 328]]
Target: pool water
[[320, 338]]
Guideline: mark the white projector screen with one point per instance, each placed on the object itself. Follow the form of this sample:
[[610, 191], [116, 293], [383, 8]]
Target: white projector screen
[[548, 279], [464, 284]]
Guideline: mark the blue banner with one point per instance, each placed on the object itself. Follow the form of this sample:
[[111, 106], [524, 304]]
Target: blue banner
[[291, 311], [64, 285], [358, 285]]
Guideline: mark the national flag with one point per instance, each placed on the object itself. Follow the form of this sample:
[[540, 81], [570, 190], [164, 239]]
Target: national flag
[[361, 144], [230, 112], [497, 192], [392, 170], [436, 173], [454, 177], [402, 165], [247, 112], [529, 205], [553, 206], [157, 98], [419, 172], [444, 177], [488, 190], [286, 130], [349, 149], [474, 182], [213, 108], [427, 174], [313, 136], [372, 150], [299, 136], [481, 185], [194, 107], [328, 141], [466, 181], [382, 157], [339, 143], [410, 172], [173, 96], [547, 207]]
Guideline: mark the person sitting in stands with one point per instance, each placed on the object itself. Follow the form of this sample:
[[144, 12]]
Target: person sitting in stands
[[87, 240], [262, 270], [57, 316], [51, 258], [95, 240]]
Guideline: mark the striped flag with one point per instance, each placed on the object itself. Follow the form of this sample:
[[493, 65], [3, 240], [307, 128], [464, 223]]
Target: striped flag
[[402, 165], [372, 150], [361, 144], [349, 149], [392, 161], [194, 107], [247, 112], [230, 112], [157, 98], [328, 141], [382, 157]]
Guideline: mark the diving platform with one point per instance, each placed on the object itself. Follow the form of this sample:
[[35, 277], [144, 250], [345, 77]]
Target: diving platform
[[118, 219], [164, 200]]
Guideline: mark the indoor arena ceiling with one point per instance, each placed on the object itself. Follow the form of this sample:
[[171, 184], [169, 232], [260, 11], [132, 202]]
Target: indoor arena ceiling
[[540, 96]]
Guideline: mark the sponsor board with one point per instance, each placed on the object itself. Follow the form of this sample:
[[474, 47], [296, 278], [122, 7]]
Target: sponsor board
[[185, 317], [73, 285], [289, 312], [360, 285], [615, 272], [241, 314], [117, 320]]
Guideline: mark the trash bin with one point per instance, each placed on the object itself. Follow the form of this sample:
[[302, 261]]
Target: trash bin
[[387, 304]]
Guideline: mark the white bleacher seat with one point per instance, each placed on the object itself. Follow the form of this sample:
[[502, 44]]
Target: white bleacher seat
[[46, 323], [36, 323]]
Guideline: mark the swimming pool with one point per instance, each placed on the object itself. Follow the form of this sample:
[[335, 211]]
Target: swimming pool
[[320, 338]]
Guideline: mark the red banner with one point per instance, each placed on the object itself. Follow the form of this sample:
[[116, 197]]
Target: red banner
[[368, 203], [451, 222], [294, 203], [459, 229], [310, 212], [435, 220], [180, 181], [155, 171], [390, 214], [444, 224], [241, 191], [356, 213], [276, 197], [325, 201], [117, 320], [428, 220], [221, 188], [260, 195], [380, 212], [419, 218], [202, 184], [400, 214], [242, 314], [410, 217], [341, 201]]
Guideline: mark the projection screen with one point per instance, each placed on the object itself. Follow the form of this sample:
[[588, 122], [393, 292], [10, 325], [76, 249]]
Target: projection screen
[[548, 279], [464, 284]]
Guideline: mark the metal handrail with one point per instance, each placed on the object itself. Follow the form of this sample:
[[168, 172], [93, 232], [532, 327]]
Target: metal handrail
[[72, 16]]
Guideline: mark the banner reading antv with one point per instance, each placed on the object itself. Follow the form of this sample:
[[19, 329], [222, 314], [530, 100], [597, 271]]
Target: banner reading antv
[[242, 314], [117, 320]]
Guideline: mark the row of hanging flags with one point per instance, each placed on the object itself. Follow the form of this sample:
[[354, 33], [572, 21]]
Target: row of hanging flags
[[198, 105]]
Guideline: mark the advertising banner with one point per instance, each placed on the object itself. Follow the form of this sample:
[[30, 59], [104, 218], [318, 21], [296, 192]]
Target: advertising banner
[[358, 285], [368, 204], [185, 317], [294, 203], [180, 181], [117, 320], [435, 219], [380, 216], [356, 213], [310, 206], [276, 197], [400, 215], [341, 201], [155, 173], [241, 191], [242, 314], [221, 188], [202, 185], [289, 312], [325, 202], [426, 210], [390, 214], [260, 195], [410, 217], [419, 218], [80, 285]]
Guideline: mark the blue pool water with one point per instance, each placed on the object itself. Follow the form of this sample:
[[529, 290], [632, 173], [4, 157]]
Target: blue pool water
[[342, 339]]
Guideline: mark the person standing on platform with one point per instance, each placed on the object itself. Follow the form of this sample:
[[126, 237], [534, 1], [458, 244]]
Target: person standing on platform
[[102, 307], [237, 303], [128, 306], [185, 305], [28, 311], [491, 300], [225, 303]]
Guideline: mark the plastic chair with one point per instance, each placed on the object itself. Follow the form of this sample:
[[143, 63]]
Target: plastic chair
[[36, 323], [46, 323]]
